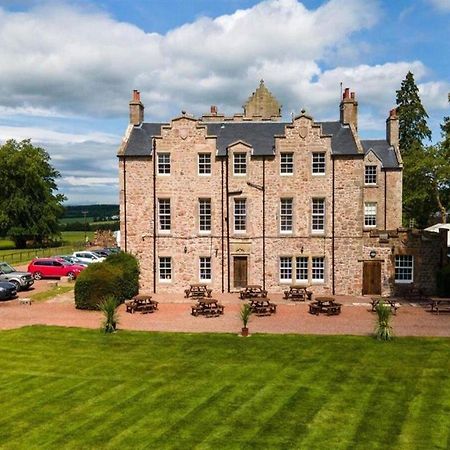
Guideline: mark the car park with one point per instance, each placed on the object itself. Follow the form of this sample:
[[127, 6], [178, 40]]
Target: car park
[[7, 290], [71, 259], [53, 268], [88, 257], [21, 280]]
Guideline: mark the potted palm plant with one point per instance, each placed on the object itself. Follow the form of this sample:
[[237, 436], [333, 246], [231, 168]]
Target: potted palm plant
[[245, 317], [109, 309], [383, 330]]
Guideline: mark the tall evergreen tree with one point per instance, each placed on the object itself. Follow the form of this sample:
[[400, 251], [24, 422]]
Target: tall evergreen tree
[[412, 116]]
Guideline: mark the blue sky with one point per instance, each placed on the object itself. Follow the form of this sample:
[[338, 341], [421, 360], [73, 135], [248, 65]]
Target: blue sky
[[68, 68]]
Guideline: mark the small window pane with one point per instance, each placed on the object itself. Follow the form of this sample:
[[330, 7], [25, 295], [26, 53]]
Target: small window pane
[[240, 214], [318, 163], [287, 163], [165, 268], [205, 268], [370, 214], [163, 163], [318, 269], [285, 268], [370, 175], [204, 163], [204, 208], [404, 268], [318, 215], [164, 214], [240, 163], [286, 215]]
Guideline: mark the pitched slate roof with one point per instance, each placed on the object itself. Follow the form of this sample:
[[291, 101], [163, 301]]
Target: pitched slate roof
[[383, 150]]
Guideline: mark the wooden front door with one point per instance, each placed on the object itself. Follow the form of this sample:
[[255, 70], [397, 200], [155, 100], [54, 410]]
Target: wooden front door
[[372, 278], [240, 271]]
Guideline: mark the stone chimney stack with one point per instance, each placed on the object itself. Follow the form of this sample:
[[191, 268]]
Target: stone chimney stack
[[349, 109], [392, 128], [213, 110], [136, 109]]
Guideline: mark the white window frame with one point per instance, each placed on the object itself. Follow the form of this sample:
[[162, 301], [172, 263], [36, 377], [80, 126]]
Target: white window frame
[[301, 268], [318, 163], [204, 215], [240, 164], [404, 269], [204, 164], [164, 163], [318, 268], [165, 267], [204, 268], [285, 268], [286, 166], [286, 215], [318, 216], [370, 214], [164, 215], [239, 216], [373, 175]]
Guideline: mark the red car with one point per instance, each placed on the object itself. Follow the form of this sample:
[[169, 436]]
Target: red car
[[53, 268]]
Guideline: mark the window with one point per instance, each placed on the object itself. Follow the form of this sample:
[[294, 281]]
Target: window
[[301, 268], [286, 215], [404, 269], [370, 214], [318, 215], [164, 163], [164, 214], [318, 269], [286, 163], [285, 268], [318, 163], [240, 214], [205, 268], [239, 163], [204, 163], [370, 175], [204, 214], [165, 268]]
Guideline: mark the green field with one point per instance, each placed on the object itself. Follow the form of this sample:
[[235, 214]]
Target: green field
[[75, 388]]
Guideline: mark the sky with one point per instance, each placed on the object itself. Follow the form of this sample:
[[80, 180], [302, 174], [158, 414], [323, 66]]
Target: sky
[[67, 68]]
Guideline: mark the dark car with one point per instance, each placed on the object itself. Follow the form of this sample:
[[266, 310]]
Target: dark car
[[53, 268], [7, 290]]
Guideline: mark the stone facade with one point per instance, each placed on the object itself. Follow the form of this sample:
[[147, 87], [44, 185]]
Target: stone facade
[[301, 189]]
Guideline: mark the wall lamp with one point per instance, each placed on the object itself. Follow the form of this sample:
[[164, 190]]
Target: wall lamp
[[231, 193]]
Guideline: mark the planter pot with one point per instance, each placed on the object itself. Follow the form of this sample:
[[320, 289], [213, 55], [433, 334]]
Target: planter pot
[[244, 332]]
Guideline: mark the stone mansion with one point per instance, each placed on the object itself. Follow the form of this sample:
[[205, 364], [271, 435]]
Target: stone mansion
[[250, 199]]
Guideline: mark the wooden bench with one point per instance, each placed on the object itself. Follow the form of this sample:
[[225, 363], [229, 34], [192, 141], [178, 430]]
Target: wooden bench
[[207, 308], [252, 291], [325, 305], [298, 293], [388, 301], [141, 303], [198, 291], [439, 305], [263, 307]]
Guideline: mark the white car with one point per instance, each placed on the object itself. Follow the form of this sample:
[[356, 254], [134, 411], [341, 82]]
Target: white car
[[88, 257]]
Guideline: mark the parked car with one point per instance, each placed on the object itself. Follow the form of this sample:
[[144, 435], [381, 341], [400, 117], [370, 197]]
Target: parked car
[[7, 290], [88, 257], [53, 268], [71, 259], [21, 280], [102, 253]]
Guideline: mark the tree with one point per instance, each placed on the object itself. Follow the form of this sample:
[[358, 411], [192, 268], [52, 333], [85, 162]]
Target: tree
[[419, 201], [29, 205]]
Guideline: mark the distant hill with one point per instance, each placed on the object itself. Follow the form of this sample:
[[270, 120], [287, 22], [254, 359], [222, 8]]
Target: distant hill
[[101, 212]]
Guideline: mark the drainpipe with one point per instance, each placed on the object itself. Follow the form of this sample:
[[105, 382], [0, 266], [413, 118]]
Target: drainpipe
[[264, 222], [385, 200], [154, 215], [228, 220], [332, 228], [125, 203], [223, 232]]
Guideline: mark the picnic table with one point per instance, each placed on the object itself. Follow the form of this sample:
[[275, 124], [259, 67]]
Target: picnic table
[[414, 293], [325, 305], [298, 293], [142, 303], [208, 307], [263, 307], [439, 304], [197, 290], [389, 302], [252, 291]]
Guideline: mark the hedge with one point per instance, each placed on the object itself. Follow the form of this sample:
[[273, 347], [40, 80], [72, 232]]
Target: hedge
[[117, 276], [443, 281]]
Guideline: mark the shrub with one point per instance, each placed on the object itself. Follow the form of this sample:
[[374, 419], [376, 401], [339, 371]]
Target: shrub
[[245, 314], [109, 310], [443, 281], [383, 331], [129, 280], [96, 283]]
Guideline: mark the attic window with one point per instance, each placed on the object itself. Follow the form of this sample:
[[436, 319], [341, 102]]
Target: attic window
[[370, 175]]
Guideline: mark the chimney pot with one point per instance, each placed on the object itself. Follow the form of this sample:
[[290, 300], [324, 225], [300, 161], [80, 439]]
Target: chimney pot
[[213, 110], [349, 109], [352, 95], [346, 93]]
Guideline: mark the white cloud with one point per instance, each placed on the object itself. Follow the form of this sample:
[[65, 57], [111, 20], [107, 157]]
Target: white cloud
[[90, 181], [441, 5]]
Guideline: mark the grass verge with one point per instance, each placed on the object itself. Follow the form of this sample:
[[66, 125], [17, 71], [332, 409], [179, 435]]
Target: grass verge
[[52, 292], [77, 388]]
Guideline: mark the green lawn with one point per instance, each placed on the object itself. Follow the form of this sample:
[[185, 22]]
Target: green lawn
[[74, 388]]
